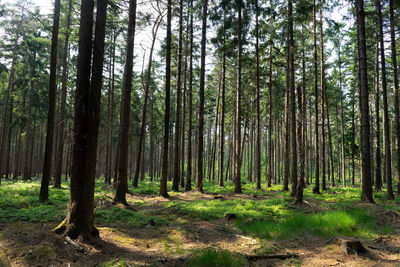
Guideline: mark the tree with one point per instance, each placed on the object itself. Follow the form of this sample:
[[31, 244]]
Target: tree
[[61, 118], [188, 186], [237, 173], [122, 178], [316, 187], [366, 188], [48, 152], [396, 98], [80, 216], [292, 101], [200, 148], [258, 131], [176, 178], [164, 170]]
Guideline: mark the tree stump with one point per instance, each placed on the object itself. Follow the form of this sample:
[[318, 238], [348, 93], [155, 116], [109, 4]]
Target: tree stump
[[350, 245]]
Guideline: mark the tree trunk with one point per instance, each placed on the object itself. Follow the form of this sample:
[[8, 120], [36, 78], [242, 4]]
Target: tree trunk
[[378, 172], [164, 172], [48, 152], [258, 127], [122, 182], [176, 176], [188, 186], [316, 187], [237, 179], [396, 96], [60, 125], [200, 148], [80, 217], [292, 101], [366, 189]]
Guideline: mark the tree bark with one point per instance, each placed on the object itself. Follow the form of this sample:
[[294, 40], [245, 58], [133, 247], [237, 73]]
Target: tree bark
[[366, 189], [122, 179], [80, 217]]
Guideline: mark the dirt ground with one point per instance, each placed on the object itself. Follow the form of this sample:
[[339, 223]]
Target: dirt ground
[[33, 244]]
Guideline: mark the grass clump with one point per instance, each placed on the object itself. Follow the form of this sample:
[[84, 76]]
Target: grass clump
[[328, 224], [215, 257], [114, 263]]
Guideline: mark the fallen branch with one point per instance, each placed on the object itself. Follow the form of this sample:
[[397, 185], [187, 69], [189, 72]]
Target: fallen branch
[[9, 260], [73, 243], [271, 256]]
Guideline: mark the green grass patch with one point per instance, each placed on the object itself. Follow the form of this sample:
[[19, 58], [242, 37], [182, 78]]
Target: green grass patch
[[215, 257], [355, 222]]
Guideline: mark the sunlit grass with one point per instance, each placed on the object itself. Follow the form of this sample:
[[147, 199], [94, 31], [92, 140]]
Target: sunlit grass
[[215, 257], [261, 213], [355, 223]]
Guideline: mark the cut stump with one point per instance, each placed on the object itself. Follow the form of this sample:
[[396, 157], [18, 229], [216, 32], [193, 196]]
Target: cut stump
[[350, 245]]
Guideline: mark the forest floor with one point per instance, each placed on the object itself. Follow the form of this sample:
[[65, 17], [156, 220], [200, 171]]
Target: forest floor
[[191, 229]]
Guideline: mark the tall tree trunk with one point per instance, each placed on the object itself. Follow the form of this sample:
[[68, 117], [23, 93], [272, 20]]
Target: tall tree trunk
[[323, 97], [48, 152], [238, 184], [386, 119], [164, 171], [270, 119], [378, 171], [366, 189], [200, 149], [396, 94], [29, 128], [222, 126], [80, 217], [122, 182], [188, 186], [317, 154], [258, 127], [292, 102], [60, 125], [343, 161], [176, 176]]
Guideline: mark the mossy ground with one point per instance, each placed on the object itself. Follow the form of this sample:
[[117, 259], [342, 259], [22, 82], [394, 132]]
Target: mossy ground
[[190, 225]]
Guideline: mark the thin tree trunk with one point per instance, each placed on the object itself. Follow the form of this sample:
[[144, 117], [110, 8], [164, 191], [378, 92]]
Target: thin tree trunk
[[317, 154], [200, 148], [60, 125]]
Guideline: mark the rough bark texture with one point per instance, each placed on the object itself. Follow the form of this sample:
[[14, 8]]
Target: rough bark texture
[[80, 217], [366, 189]]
